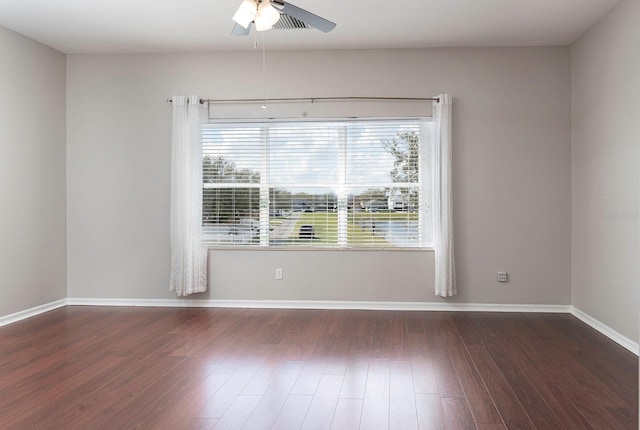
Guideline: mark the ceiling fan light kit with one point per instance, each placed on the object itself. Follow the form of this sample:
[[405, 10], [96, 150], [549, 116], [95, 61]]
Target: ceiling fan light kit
[[265, 13], [262, 14], [266, 16], [245, 13]]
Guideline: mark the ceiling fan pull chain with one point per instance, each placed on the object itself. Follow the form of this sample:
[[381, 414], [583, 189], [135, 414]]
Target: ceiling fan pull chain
[[264, 72], [255, 40]]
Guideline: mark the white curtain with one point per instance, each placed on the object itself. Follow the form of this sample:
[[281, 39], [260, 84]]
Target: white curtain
[[188, 256], [442, 199]]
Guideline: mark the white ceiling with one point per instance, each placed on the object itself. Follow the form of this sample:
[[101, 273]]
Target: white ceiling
[[149, 26]]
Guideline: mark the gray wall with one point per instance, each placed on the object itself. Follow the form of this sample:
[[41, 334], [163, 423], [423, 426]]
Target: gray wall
[[511, 181], [605, 166], [32, 174]]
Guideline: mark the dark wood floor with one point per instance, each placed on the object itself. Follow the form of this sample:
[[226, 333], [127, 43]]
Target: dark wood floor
[[167, 368]]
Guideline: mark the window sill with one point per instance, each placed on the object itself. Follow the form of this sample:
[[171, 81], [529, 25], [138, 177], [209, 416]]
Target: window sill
[[316, 249]]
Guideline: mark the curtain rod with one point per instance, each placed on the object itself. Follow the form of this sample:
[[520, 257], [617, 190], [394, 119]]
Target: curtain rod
[[314, 99]]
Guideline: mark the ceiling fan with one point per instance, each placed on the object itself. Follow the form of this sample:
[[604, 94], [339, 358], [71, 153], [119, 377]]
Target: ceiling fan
[[265, 13]]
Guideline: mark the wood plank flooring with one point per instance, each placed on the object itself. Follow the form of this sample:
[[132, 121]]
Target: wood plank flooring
[[168, 368]]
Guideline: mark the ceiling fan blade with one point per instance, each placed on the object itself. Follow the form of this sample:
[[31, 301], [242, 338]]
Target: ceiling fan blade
[[239, 30], [308, 18]]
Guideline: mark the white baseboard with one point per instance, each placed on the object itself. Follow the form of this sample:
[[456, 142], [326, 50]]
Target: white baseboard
[[606, 330], [28, 313], [321, 304]]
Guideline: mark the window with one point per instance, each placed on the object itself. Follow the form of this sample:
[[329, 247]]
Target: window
[[339, 184]]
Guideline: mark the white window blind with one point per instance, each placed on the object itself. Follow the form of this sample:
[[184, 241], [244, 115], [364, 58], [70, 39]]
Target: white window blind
[[339, 184]]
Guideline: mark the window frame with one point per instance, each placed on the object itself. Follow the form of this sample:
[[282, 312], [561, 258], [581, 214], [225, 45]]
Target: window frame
[[425, 185]]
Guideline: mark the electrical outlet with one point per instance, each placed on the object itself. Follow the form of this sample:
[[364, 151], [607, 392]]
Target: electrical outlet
[[279, 273], [502, 276]]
